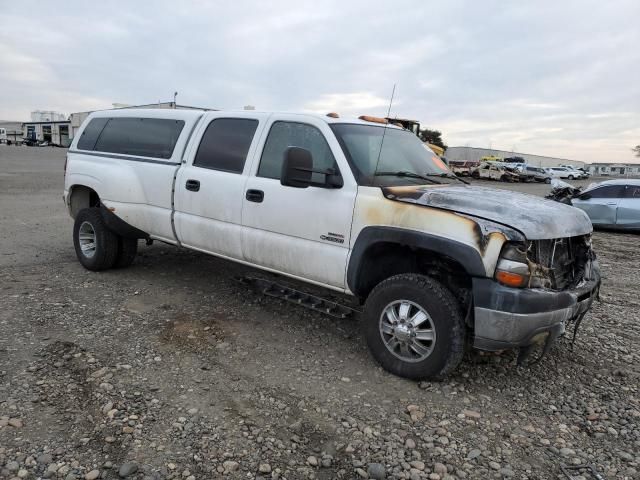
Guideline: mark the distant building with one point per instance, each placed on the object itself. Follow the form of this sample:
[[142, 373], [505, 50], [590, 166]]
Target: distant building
[[615, 169], [47, 116], [79, 117], [472, 154], [55, 132]]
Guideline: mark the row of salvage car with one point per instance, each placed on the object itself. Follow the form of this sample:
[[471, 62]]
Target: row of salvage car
[[514, 172], [501, 171]]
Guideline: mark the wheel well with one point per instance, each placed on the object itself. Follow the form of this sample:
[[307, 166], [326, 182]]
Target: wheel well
[[385, 259], [82, 197]]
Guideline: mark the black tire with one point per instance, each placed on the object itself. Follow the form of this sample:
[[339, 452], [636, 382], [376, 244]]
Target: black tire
[[547, 180], [475, 175], [127, 251], [570, 177], [105, 248], [446, 319]]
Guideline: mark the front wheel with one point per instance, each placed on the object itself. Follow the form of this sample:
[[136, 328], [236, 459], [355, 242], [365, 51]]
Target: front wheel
[[414, 327], [570, 177], [96, 246]]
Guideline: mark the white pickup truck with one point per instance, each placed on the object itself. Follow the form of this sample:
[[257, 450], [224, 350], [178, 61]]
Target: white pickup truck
[[353, 205]]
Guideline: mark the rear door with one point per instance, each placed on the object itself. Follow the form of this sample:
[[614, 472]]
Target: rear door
[[601, 204], [210, 186], [303, 232], [628, 215]]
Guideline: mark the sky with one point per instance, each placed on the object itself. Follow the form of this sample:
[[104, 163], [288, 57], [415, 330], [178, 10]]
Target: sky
[[558, 78]]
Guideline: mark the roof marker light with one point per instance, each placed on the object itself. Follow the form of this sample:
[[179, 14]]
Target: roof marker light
[[368, 118]]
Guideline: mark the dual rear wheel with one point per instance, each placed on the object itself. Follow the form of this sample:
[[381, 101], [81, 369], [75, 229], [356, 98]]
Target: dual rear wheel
[[97, 247]]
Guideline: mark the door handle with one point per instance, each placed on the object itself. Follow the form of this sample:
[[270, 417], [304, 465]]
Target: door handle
[[255, 195], [612, 203], [193, 185]]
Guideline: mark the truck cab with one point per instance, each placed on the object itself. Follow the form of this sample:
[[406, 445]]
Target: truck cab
[[351, 205]]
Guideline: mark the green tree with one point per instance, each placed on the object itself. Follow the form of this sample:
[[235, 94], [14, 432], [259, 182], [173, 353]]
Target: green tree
[[636, 150], [432, 136]]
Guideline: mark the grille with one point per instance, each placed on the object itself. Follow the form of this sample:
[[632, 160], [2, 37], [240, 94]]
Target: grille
[[565, 259]]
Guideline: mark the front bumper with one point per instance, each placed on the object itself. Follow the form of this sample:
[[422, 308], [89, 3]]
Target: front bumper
[[517, 317]]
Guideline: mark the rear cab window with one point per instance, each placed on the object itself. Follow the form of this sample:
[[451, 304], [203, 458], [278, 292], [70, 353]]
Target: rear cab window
[[225, 144], [91, 133], [144, 137]]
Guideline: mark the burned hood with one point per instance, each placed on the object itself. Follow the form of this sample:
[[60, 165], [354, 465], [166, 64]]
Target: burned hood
[[537, 218]]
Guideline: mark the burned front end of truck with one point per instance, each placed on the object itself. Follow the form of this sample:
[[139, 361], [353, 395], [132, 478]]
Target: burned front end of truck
[[540, 274], [540, 287]]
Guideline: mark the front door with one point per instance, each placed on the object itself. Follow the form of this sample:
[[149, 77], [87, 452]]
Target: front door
[[303, 232], [210, 187], [629, 208], [601, 204]]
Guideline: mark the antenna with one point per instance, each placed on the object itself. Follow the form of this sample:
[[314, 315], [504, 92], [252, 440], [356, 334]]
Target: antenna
[[385, 128]]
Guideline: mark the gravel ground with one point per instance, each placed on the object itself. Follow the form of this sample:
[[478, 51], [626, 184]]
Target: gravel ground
[[172, 369]]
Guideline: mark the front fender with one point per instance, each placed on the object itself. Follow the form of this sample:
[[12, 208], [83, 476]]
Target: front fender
[[465, 255]]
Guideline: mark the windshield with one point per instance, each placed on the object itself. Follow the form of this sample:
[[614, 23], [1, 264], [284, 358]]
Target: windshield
[[401, 152]]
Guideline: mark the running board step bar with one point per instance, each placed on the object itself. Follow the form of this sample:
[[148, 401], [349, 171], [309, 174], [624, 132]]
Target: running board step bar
[[276, 290]]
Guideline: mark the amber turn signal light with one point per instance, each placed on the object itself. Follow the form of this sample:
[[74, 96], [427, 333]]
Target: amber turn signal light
[[510, 279], [369, 118]]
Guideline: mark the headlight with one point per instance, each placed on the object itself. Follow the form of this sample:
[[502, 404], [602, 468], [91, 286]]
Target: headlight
[[513, 269]]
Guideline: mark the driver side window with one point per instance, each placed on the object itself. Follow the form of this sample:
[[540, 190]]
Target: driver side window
[[292, 134]]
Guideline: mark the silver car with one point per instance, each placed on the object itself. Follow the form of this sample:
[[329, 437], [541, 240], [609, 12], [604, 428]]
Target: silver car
[[612, 204]]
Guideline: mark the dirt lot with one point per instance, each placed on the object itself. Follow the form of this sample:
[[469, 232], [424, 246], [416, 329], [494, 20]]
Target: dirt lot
[[171, 369]]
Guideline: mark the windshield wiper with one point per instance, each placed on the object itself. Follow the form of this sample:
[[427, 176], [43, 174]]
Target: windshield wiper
[[403, 173], [448, 175]]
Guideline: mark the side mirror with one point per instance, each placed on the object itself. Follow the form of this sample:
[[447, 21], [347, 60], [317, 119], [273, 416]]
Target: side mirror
[[584, 196], [296, 168], [297, 171]]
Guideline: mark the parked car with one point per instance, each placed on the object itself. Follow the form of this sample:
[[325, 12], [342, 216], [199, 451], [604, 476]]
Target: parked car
[[560, 172], [538, 174], [463, 168], [492, 170], [436, 263], [612, 204], [524, 175], [29, 142], [519, 160], [585, 172], [575, 172]]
